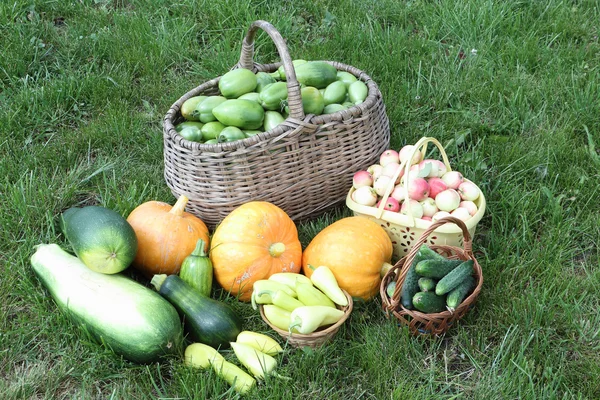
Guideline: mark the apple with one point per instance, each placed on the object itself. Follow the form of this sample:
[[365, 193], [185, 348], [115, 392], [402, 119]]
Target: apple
[[390, 205], [439, 215], [365, 196], [391, 169], [362, 178], [461, 213], [470, 206], [429, 207], [436, 185], [381, 184], [447, 200], [453, 179], [416, 209], [468, 191], [375, 170], [406, 151], [388, 156], [418, 189], [398, 193]]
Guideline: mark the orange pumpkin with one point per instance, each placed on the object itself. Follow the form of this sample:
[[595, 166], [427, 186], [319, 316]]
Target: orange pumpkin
[[166, 236], [253, 242], [355, 249]]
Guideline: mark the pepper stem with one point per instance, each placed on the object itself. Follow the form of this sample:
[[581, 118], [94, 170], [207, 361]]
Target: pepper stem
[[179, 206], [158, 280], [276, 249], [199, 250], [294, 324]]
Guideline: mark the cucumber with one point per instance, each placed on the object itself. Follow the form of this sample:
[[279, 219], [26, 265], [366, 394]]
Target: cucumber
[[454, 278], [390, 288], [123, 315], [357, 92], [206, 320], [436, 268], [100, 237], [457, 295], [411, 286], [429, 302], [426, 284]]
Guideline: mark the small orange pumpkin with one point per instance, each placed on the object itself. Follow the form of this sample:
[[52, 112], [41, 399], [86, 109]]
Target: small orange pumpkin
[[253, 242], [166, 236], [356, 249]]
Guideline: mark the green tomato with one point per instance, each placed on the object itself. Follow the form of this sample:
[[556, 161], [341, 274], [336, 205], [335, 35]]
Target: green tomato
[[230, 134]]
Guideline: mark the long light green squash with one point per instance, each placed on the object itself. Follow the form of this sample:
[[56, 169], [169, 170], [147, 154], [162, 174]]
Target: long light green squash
[[131, 319]]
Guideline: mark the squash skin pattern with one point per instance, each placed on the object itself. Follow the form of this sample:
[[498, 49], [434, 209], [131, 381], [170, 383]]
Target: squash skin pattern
[[241, 247], [125, 316], [206, 320], [100, 237], [355, 249]]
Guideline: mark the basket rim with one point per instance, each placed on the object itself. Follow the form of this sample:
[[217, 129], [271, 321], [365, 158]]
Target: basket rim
[[284, 128], [318, 334], [403, 220]]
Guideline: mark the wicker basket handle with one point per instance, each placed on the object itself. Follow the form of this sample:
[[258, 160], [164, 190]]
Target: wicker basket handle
[[467, 246], [421, 146], [247, 61]]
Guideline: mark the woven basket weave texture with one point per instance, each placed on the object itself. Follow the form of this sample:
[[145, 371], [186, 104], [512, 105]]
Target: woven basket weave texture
[[304, 165], [432, 323]]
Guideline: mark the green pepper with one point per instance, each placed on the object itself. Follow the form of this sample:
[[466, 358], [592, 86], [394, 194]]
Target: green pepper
[[289, 278], [277, 316], [281, 299], [311, 296], [308, 319], [323, 278], [230, 134], [264, 286]]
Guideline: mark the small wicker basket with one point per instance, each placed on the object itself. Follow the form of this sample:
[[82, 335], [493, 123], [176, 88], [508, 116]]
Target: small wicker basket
[[435, 323], [404, 230], [319, 337], [303, 165]]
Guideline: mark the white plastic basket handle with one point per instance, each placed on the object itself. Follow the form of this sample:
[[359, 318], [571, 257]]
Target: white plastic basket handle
[[421, 146]]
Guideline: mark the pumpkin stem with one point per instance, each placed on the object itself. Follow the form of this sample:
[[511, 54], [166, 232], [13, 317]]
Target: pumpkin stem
[[199, 250], [385, 268], [179, 207], [276, 249], [158, 280]]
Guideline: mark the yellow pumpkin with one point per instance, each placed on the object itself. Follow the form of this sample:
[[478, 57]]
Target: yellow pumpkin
[[253, 242], [356, 249], [166, 236]]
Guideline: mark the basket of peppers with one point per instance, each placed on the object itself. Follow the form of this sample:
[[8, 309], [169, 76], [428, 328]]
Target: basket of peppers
[[304, 311]]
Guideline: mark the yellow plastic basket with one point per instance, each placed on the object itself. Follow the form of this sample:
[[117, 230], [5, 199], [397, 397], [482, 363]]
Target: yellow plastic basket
[[405, 230]]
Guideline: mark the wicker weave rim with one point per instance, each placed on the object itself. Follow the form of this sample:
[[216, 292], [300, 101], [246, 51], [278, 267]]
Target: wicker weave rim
[[318, 337], [430, 323], [296, 115]]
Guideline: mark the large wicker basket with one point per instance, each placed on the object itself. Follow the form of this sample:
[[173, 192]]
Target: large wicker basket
[[434, 323], [404, 230], [303, 165]]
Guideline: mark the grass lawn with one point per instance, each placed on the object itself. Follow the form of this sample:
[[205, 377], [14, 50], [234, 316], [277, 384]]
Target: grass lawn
[[511, 88]]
